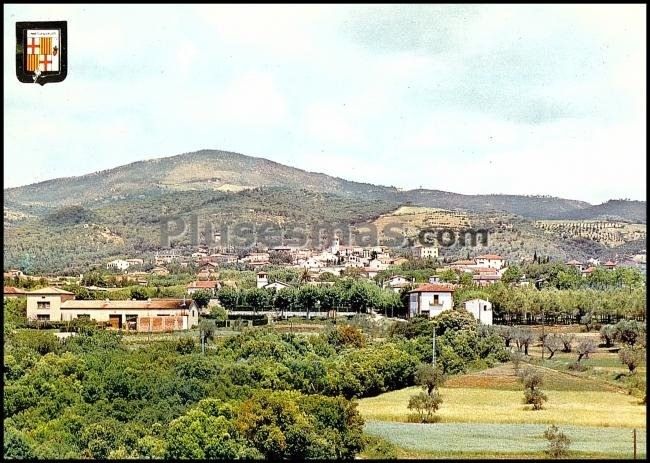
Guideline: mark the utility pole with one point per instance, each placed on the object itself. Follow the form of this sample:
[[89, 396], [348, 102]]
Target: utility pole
[[433, 357], [543, 338], [634, 434]]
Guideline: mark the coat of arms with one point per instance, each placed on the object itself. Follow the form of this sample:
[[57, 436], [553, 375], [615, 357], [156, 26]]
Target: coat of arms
[[41, 51]]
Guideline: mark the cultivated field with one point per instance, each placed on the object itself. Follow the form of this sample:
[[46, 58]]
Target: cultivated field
[[503, 440], [482, 414]]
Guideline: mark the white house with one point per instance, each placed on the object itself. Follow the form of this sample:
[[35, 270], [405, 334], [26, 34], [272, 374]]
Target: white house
[[490, 260], [481, 309], [135, 261], [312, 262], [396, 283], [424, 252], [431, 299], [263, 282], [277, 285], [117, 264]]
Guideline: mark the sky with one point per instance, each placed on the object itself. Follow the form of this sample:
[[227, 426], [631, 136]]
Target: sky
[[475, 99]]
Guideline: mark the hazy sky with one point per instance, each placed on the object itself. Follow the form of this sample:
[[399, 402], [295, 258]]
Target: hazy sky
[[545, 99]]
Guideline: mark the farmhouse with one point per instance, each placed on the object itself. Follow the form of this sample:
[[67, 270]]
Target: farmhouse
[[263, 282], [490, 260], [424, 252], [486, 279], [576, 264], [431, 299], [150, 315], [201, 285], [117, 264], [396, 283], [481, 309]]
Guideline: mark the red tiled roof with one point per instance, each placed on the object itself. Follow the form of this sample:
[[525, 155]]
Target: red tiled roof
[[433, 288], [489, 270], [490, 256], [12, 290], [609, 263], [573, 262], [203, 284], [463, 262], [590, 269]]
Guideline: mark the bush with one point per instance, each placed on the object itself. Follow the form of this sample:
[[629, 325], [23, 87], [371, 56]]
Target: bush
[[377, 448], [558, 442], [533, 380], [577, 366], [629, 331], [185, 345], [425, 405]]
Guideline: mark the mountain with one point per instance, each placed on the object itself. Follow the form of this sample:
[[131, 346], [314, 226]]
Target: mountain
[[69, 225], [615, 209], [225, 171]]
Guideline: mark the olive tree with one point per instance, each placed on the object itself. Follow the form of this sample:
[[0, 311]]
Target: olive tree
[[584, 348], [533, 395]]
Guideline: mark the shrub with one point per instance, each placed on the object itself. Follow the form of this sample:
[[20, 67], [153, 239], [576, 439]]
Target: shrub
[[425, 405], [377, 448], [533, 380], [629, 331], [558, 442]]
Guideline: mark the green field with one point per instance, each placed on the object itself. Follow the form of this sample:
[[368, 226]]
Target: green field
[[499, 440], [483, 416]]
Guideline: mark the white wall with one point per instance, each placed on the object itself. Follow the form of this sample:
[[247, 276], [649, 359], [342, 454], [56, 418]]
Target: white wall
[[481, 309], [54, 311], [421, 303]]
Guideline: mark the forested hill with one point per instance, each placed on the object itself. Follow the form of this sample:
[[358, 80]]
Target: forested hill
[[226, 171], [616, 209]]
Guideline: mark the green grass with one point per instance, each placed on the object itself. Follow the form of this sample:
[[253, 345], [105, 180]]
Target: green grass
[[464, 440]]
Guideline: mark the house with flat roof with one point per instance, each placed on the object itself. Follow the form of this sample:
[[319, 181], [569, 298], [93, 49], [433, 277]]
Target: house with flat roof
[[54, 304]]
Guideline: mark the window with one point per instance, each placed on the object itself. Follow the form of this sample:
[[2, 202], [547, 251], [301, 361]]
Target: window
[[43, 305], [42, 317], [485, 307], [436, 299], [192, 312]]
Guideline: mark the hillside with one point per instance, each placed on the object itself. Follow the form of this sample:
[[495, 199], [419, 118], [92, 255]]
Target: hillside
[[72, 224], [225, 171], [615, 209]]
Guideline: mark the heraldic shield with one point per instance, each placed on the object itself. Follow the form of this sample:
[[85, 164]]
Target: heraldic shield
[[41, 51]]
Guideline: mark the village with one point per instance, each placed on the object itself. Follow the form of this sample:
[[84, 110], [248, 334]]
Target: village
[[51, 302]]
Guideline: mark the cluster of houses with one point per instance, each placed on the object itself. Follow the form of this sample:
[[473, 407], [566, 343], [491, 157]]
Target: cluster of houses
[[431, 299]]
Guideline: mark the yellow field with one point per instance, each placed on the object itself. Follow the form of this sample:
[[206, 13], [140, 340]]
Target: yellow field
[[478, 405]]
